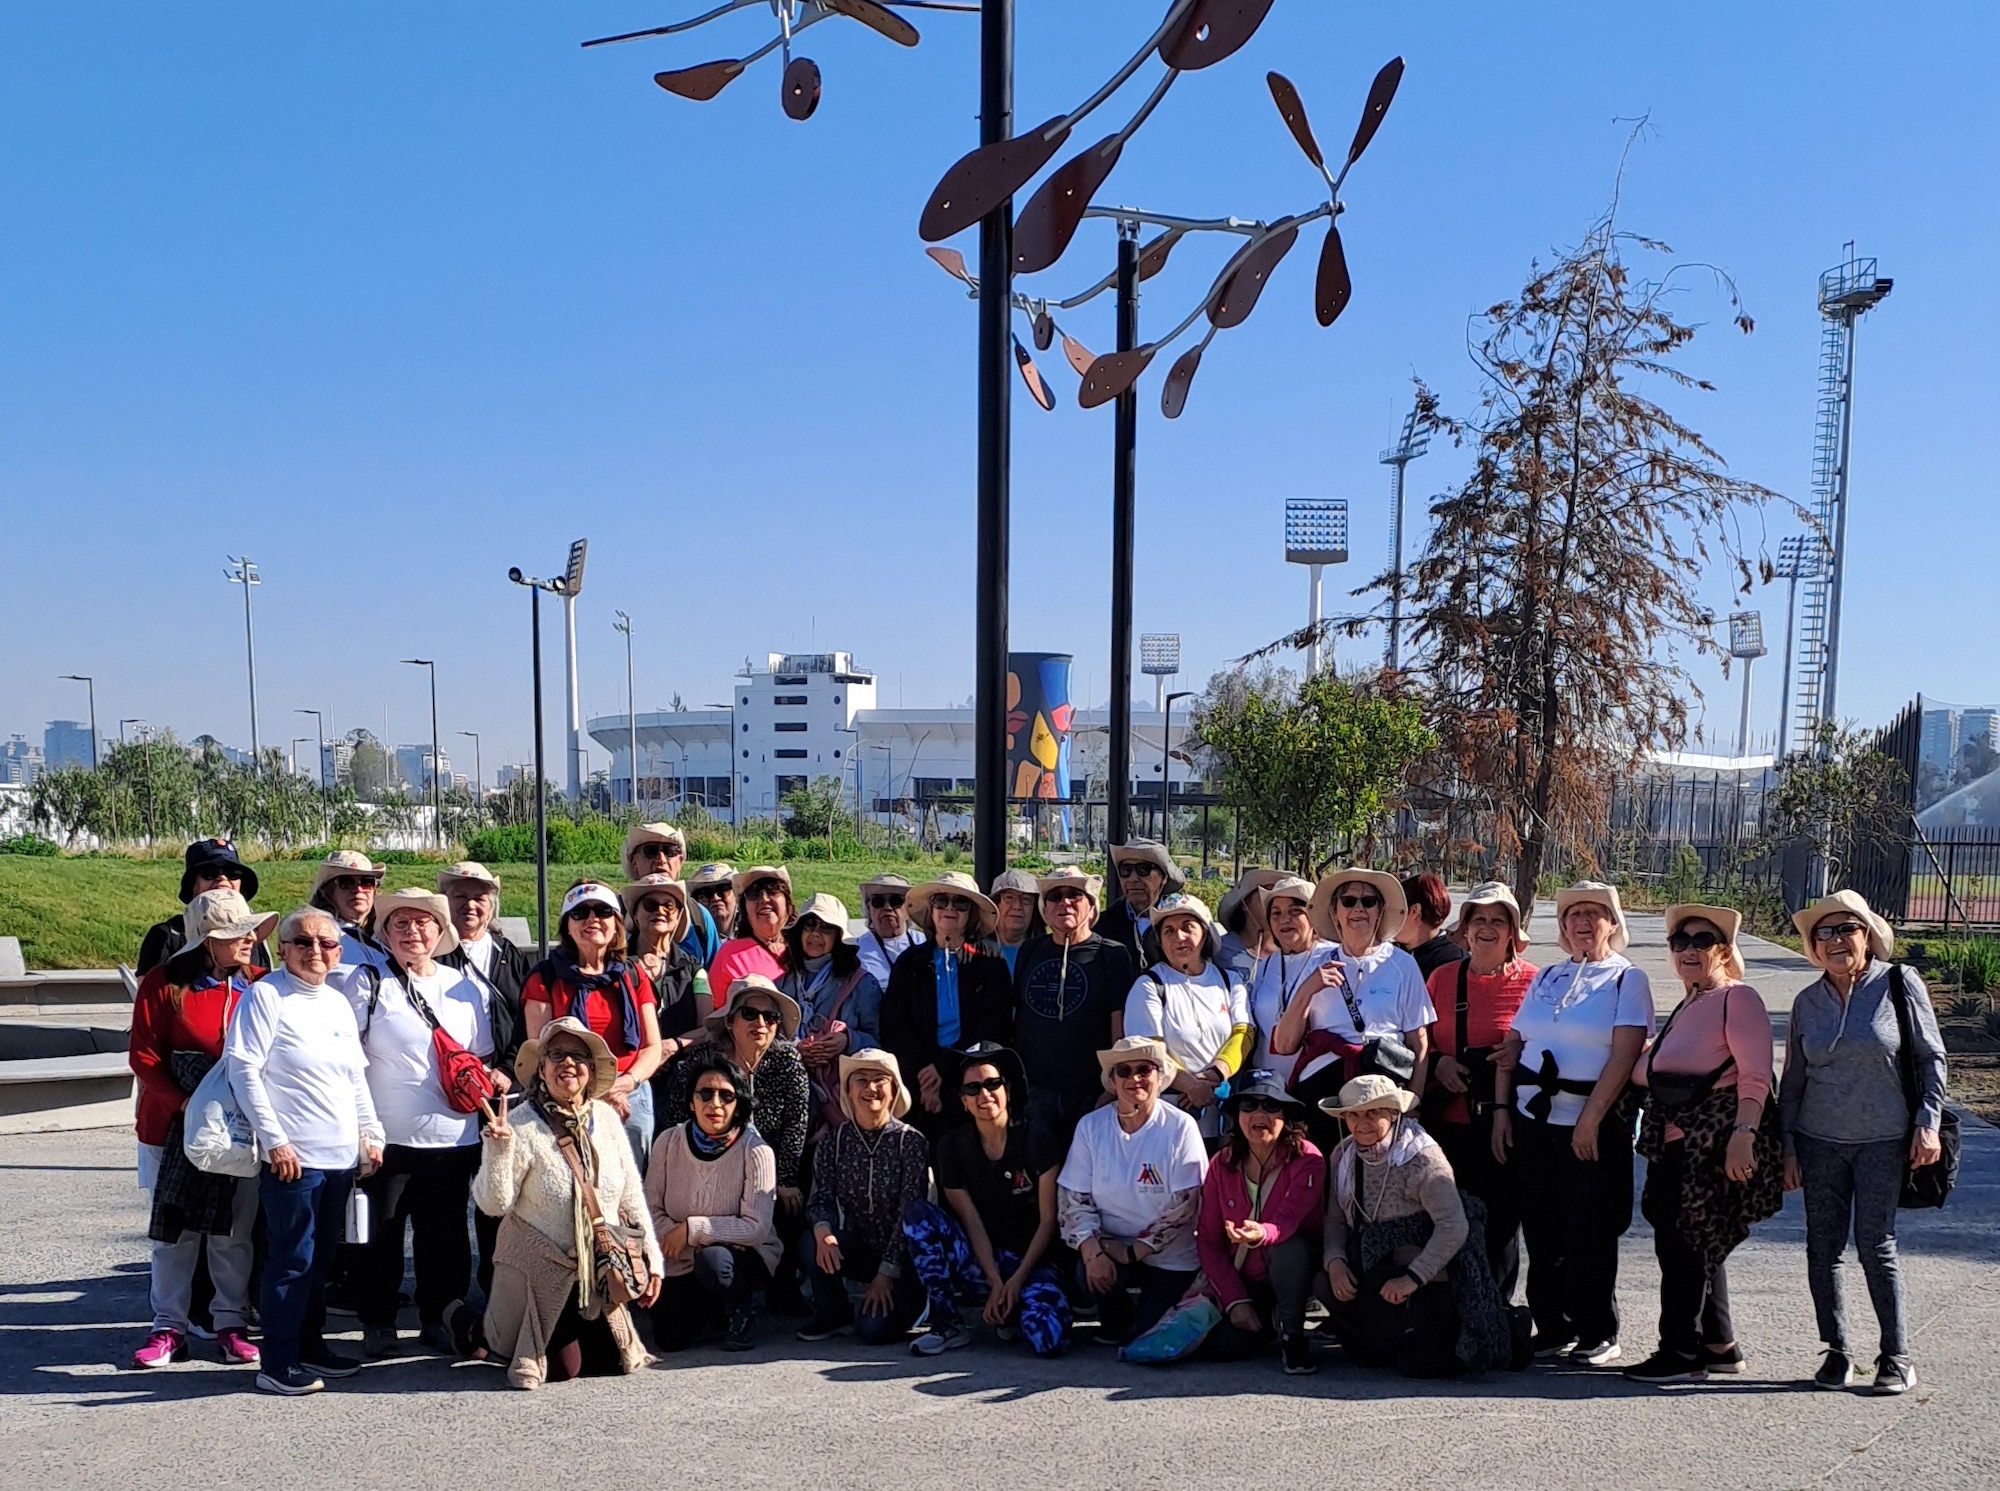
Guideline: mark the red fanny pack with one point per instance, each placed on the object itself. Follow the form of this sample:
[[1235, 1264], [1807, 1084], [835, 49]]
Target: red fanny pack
[[468, 1085]]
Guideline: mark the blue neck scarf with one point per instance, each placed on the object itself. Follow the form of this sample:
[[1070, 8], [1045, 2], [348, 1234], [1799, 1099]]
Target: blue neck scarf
[[946, 965]]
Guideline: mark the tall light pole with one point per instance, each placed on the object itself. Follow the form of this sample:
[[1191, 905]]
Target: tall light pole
[[1167, 769], [297, 741], [1124, 503], [535, 588], [478, 768], [437, 756], [735, 788], [1315, 536], [91, 684], [572, 584], [1159, 660], [128, 720], [623, 624], [1408, 447], [1746, 643], [245, 574], [319, 731]]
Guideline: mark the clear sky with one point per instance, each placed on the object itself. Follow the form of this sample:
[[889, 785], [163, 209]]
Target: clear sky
[[395, 296]]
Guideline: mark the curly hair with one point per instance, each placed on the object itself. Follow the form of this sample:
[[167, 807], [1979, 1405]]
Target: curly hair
[[707, 1058]]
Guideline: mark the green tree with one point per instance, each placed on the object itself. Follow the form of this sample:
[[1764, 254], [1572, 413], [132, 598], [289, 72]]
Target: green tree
[[818, 811], [69, 801], [1314, 769], [1839, 793]]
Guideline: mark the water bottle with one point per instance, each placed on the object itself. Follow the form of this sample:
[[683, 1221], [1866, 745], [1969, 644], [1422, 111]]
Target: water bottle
[[359, 1217]]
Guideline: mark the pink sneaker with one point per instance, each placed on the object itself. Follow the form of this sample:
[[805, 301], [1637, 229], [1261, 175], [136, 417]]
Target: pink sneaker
[[162, 1347], [238, 1348]]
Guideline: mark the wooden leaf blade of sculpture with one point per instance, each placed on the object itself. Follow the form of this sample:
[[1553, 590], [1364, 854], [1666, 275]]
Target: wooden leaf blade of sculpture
[[1173, 394], [1333, 288], [1381, 93], [1153, 257], [952, 262], [1213, 30], [1247, 280], [982, 179], [701, 82], [1113, 373], [1045, 226], [876, 18], [1031, 375], [1080, 357], [1292, 109]]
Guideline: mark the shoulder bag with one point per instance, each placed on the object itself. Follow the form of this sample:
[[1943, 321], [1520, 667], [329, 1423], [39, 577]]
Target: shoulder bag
[[1477, 1061], [617, 1252], [1929, 1186], [1673, 1093], [468, 1085]]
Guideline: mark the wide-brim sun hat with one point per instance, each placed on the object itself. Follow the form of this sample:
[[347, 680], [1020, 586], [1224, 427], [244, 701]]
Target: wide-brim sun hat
[[985, 915], [1150, 852], [1092, 886], [868, 1059], [1180, 905], [1014, 880], [590, 893], [888, 880], [651, 833], [603, 1065], [1127, 1047], [414, 898], [1592, 893], [718, 1019], [654, 885], [1491, 893], [1244, 894], [1881, 936], [225, 915], [1325, 913], [744, 879], [715, 872], [1369, 1093], [1728, 921], [827, 909], [208, 855], [342, 863], [467, 869]]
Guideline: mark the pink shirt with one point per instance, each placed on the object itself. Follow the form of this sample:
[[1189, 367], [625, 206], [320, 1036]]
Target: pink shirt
[[735, 958], [1701, 1040]]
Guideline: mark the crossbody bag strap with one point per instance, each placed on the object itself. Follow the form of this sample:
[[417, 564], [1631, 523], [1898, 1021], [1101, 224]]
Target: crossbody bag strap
[[1460, 1014], [1906, 1065], [584, 1186], [1353, 1004], [842, 994]]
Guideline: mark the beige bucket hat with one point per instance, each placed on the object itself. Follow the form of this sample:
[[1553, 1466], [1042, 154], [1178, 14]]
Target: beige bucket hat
[[985, 915], [1592, 893], [1491, 893], [715, 872], [342, 863], [654, 885], [415, 898], [888, 880], [744, 879], [829, 910], [1150, 852], [467, 869], [755, 983], [603, 1065], [1015, 880], [1728, 921], [868, 1059], [1129, 1046], [1387, 886], [652, 833], [1092, 886], [1244, 894], [224, 914], [1367, 1093], [1881, 937]]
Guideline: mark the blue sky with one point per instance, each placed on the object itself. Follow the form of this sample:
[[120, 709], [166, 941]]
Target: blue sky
[[393, 297]]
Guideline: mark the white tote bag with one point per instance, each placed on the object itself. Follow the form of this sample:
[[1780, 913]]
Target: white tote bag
[[218, 1138]]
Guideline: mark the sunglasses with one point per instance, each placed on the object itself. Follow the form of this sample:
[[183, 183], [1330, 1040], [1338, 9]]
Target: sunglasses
[[567, 1058], [762, 1016], [765, 889], [985, 1084], [1127, 1071], [723, 1095], [1063, 893], [655, 851], [884, 903], [660, 906], [354, 882], [1365, 903], [593, 914], [1260, 1105], [960, 904], [1824, 933], [1134, 869], [308, 944], [711, 893], [1699, 942]]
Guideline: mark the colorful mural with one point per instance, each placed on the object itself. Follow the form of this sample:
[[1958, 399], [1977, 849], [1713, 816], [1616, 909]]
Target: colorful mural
[[1039, 719]]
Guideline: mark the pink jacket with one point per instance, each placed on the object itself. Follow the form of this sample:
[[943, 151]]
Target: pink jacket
[[1294, 1200]]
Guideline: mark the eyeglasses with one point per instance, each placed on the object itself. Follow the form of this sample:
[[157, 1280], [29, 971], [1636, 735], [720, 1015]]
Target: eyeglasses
[[885, 902], [593, 913], [1260, 1105], [758, 1013], [311, 944], [1699, 942], [872, 1079], [1366, 903], [567, 1058], [1134, 869], [710, 893], [960, 904], [810, 925], [1128, 1071], [1063, 893], [1824, 933], [353, 882], [985, 1084], [723, 1095], [765, 890]]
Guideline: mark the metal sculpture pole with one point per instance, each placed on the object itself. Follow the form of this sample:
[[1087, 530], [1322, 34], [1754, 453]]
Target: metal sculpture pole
[[1124, 489]]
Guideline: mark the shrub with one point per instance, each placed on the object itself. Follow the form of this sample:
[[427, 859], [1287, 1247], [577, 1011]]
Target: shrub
[[1977, 960], [30, 844], [1969, 1006], [796, 849], [509, 844], [951, 854]]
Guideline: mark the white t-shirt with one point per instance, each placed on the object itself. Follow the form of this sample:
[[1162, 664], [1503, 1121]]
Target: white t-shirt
[[1278, 976], [402, 1066], [296, 1065], [480, 954], [1570, 1010], [1389, 992], [877, 955], [1193, 1014], [1131, 1177]]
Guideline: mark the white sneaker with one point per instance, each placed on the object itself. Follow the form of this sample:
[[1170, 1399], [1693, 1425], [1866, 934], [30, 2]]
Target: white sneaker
[[937, 1343], [1595, 1354]]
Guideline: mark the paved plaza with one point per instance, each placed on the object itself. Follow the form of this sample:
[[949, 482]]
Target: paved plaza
[[72, 1307]]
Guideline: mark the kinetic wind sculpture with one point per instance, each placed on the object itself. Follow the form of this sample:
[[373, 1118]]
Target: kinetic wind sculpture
[[800, 82]]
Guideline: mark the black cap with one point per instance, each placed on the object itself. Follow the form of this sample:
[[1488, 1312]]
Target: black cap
[[205, 856], [1260, 1084], [1007, 1063]]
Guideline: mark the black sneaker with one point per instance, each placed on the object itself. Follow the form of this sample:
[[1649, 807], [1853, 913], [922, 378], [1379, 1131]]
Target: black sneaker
[[742, 1329], [379, 1341], [825, 1328], [1548, 1348], [289, 1382], [1295, 1347], [330, 1363], [1595, 1354], [1893, 1375], [435, 1337], [1730, 1359], [1835, 1373], [1665, 1366]]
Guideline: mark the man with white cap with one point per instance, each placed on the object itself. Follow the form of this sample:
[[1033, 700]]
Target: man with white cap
[[1015, 902], [889, 933], [1143, 872]]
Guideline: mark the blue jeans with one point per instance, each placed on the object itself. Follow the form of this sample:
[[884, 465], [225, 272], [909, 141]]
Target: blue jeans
[[639, 1123], [1853, 1187], [942, 1257], [304, 1220]]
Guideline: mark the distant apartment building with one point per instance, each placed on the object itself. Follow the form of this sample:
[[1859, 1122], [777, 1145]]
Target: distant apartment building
[[336, 763], [20, 762], [1938, 744], [1981, 725], [66, 743], [413, 765]]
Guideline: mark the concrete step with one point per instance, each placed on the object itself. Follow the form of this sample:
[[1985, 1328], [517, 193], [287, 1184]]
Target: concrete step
[[92, 994]]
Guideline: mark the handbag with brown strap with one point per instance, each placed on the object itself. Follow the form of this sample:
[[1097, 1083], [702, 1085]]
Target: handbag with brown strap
[[618, 1252]]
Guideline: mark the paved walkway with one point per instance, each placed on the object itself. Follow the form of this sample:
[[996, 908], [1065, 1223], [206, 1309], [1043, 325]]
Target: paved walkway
[[72, 1306]]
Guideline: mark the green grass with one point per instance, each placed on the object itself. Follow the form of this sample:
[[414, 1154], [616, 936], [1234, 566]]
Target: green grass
[[91, 912]]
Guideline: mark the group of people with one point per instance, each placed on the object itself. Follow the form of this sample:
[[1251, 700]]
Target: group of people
[[1011, 1111]]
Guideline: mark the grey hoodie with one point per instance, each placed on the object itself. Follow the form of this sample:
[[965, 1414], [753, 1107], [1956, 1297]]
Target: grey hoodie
[[1841, 1081]]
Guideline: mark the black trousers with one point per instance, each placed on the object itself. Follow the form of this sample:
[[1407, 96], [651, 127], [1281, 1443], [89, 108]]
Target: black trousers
[[1469, 1147], [426, 1191], [1419, 1337], [1694, 1308], [699, 1301], [1279, 1297], [1118, 1318], [1572, 1214]]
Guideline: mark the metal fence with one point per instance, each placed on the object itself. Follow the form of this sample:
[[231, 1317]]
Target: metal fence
[[1955, 878]]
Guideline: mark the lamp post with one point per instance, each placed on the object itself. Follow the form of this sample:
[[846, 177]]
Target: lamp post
[[735, 787], [478, 769], [297, 741], [1798, 559], [1315, 536], [91, 684], [535, 588], [572, 583], [319, 731], [623, 624], [245, 574], [437, 756], [1167, 769], [1408, 447]]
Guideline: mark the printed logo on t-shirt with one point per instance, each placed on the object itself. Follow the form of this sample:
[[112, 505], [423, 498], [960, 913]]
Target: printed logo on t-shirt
[[1019, 1182], [1149, 1175]]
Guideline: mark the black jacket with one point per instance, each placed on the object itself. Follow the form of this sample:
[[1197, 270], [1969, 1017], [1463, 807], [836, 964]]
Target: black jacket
[[1119, 925], [910, 1019], [511, 966], [1435, 953], [674, 989], [165, 939]]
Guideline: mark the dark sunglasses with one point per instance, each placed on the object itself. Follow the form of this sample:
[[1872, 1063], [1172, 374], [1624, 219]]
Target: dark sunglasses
[[655, 851], [961, 904], [985, 1084], [1259, 1105], [1699, 942], [1366, 903], [885, 903], [724, 1095], [353, 882], [761, 1016], [593, 914], [307, 944], [763, 888], [1133, 869], [1125, 1071], [1824, 933], [710, 893], [1063, 893]]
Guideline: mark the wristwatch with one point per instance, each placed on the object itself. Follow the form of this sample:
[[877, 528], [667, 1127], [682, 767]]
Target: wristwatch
[[1746, 1128]]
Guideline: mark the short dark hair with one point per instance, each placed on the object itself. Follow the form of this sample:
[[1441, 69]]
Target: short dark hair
[[568, 943], [708, 1059], [1426, 892], [846, 956]]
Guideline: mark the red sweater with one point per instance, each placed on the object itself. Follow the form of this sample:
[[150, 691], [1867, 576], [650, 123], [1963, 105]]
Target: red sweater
[[1294, 1199], [167, 1018]]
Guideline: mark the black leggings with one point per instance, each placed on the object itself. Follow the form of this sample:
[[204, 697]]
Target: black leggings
[[581, 1348], [1694, 1308], [1419, 1337], [1572, 1214], [693, 1304]]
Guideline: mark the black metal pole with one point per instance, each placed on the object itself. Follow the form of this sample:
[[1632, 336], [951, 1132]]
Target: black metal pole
[[996, 286], [437, 795], [541, 807], [1124, 478]]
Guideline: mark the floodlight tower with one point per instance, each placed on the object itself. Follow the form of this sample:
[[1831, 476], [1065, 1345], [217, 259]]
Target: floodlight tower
[[1408, 447], [572, 583], [1315, 536], [1746, 642], [1160, 659], [1847, 292], [1798, 559]]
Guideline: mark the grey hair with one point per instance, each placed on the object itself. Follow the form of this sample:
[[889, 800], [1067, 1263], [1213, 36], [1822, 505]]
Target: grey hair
[[295, 920]]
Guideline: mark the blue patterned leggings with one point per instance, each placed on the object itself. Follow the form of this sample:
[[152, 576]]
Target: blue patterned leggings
[[942, 1258]]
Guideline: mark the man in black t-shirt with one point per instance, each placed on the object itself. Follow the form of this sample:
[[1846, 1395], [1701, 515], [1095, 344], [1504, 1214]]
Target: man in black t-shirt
[[1068, 987]]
